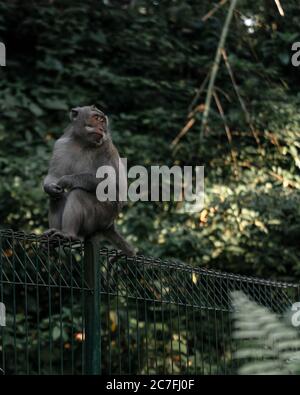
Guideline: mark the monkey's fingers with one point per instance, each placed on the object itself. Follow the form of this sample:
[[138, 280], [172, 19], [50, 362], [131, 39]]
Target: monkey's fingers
[[54, 190], [49, 232], [46, 239], [65, 236]]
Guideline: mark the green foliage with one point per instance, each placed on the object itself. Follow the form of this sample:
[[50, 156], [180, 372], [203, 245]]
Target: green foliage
[[267, 344], [142, 62]]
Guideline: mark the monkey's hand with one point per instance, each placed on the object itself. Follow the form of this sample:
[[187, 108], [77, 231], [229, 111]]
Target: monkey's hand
[[85, 181], [54, 190], [66, 182]]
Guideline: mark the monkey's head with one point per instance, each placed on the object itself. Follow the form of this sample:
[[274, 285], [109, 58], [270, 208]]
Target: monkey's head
[[90, 125]]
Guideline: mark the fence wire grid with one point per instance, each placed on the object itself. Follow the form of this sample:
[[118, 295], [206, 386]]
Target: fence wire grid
[[73, 308]]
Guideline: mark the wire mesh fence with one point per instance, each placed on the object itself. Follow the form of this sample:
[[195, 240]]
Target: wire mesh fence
[[76, 309], [43, 290]]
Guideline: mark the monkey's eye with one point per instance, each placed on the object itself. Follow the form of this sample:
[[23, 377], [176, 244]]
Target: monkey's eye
[[74, 113], [98, 117]]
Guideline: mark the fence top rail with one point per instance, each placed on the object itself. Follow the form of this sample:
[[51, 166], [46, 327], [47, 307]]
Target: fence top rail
[[151, 261], [176, 265]]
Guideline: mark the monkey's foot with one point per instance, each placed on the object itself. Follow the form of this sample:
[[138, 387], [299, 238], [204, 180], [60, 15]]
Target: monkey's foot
[[49, 232], [65, 236], [46, 236], [46, 239]]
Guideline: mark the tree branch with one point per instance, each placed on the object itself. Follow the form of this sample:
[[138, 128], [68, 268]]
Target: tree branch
[[215, 66]]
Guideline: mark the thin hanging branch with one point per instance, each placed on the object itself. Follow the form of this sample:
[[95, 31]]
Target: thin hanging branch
[[228, 132], [198, 93], [191, 114], [242, 103], [183, 131], [211, 12], [280, 9], [215, 66]]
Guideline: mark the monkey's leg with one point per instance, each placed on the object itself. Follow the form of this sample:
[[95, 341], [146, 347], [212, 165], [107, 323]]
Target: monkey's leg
[[72, 217], [56, 208], [118, 241]]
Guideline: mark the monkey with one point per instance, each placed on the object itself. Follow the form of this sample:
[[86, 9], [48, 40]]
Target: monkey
[[75, 213]]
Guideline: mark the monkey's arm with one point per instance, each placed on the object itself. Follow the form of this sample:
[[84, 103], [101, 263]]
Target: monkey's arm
[[51, 187], [58, 167], [86, 181]]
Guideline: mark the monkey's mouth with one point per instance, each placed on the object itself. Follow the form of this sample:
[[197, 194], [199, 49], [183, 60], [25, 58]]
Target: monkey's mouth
[[96, 134], [94, 131]]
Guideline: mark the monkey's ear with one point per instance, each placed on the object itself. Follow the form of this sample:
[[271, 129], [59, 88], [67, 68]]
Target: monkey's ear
[[74, 113], [107, 122]]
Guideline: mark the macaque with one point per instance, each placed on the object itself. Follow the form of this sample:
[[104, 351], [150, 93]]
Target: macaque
[[75, 212]]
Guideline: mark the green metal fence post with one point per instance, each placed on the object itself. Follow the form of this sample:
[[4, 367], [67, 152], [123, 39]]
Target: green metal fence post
[[92, 307]]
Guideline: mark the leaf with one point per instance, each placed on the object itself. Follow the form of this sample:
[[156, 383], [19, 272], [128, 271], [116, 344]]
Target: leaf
[[267, 344], [55, 105], [35, 109], [56, 333]]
